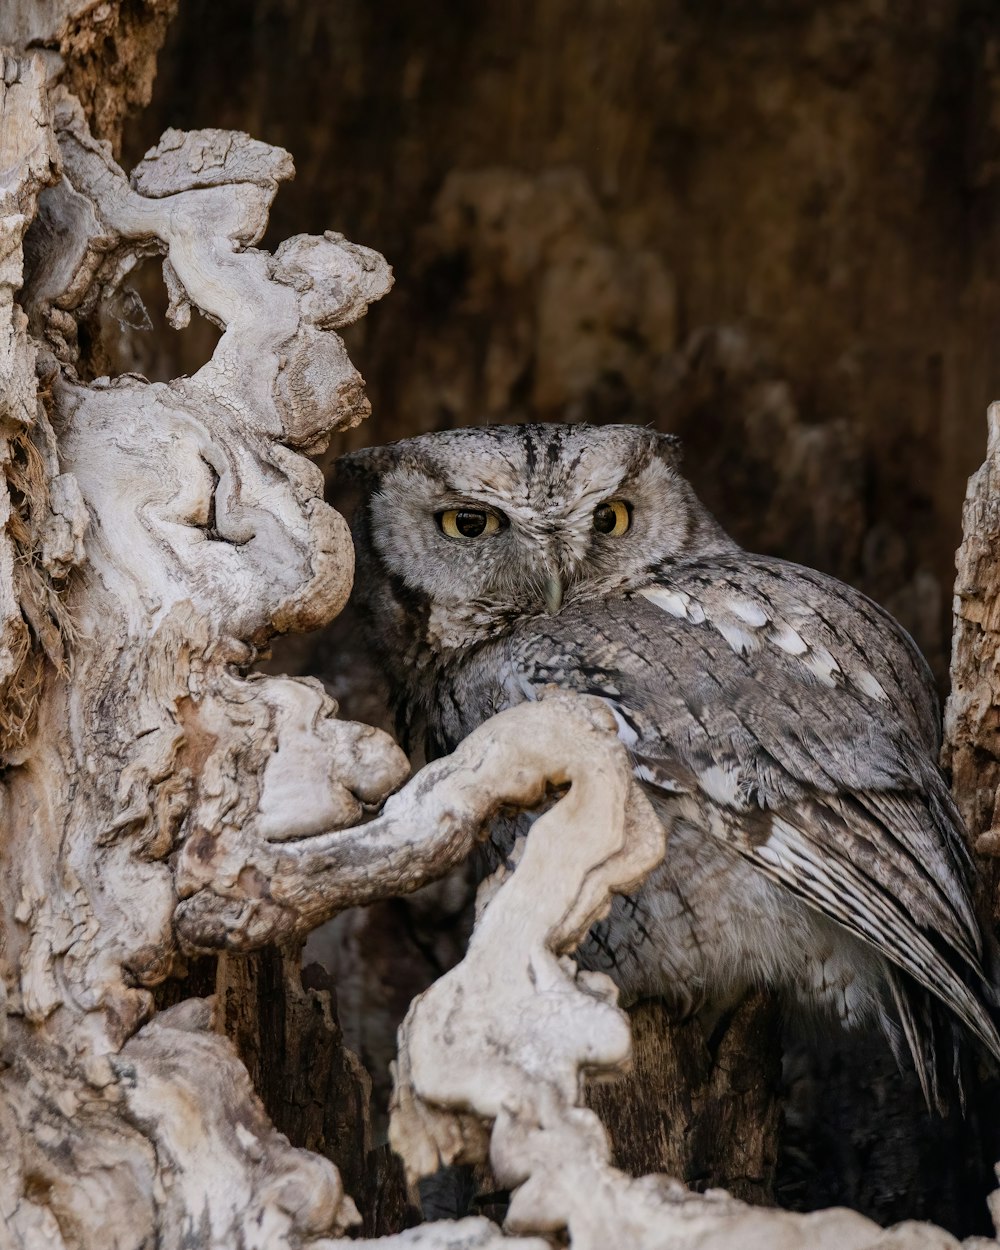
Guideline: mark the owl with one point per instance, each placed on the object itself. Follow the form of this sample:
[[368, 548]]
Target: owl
[[785, 728]]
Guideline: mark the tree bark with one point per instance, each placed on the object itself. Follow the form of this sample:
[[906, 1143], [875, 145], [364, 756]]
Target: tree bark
[[972, 715], [283, 1023], [702, 1107]]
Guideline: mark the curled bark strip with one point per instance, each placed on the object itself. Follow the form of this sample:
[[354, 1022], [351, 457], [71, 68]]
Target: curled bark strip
[[432, 824], [492, 1057]]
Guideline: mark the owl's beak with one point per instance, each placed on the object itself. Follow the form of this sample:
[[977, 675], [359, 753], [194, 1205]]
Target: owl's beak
[[553, 593]]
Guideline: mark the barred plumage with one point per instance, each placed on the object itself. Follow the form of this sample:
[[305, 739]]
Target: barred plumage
[[785, 726]]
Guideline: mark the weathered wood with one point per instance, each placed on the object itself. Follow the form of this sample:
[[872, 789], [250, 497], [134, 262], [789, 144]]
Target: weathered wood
[[155, 536], [284, 1026], [972, 714], [701, 1107], [105, 52]]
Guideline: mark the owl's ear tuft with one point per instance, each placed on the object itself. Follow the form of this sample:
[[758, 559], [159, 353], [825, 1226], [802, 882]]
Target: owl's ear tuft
[[365, 466], [669, 447]]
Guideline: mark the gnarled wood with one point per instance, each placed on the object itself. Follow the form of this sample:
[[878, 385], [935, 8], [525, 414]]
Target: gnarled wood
[[179, 528], [972, 715]]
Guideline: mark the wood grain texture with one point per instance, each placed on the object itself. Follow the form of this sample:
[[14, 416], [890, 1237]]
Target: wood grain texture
[[972, 715], [703, 1108]]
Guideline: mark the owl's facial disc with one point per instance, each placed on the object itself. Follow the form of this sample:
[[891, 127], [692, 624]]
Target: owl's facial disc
[[482, 545], [481, 528]]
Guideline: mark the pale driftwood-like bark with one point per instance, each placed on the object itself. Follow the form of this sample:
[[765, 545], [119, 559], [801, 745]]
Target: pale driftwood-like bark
[[155, 536], [104, 51], [972, 715]]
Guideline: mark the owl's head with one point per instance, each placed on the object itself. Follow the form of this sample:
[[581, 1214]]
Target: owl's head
[[463, 531]]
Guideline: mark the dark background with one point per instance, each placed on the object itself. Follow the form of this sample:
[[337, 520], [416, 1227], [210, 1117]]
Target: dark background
[[771, 228]]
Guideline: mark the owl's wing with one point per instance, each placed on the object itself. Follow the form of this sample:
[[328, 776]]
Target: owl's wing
[[808, 761]]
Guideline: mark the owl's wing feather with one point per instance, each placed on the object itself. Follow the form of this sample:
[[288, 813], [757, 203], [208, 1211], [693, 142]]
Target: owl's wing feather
[[813, 763]]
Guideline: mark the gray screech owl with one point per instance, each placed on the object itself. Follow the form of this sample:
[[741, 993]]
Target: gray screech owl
[[785, 727]]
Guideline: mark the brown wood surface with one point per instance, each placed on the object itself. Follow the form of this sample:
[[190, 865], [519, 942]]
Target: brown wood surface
[[701, 1107], [283, 1021]]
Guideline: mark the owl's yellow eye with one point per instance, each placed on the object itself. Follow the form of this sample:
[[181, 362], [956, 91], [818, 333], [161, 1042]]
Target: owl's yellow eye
[[612, 518], [468, 523]]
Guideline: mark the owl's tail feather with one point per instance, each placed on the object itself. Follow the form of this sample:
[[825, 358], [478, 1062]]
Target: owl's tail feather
[[935, 1039], [928, 1039]]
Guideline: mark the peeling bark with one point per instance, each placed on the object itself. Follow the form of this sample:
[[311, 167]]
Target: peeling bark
[[105, 52], [972, 715]]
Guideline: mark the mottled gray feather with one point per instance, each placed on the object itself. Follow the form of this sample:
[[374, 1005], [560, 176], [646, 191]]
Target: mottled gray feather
[[785, 726]]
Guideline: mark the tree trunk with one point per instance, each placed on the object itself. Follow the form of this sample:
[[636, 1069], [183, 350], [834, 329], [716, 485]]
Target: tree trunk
[[972, 716], [703, 1108], [285, 1030]]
